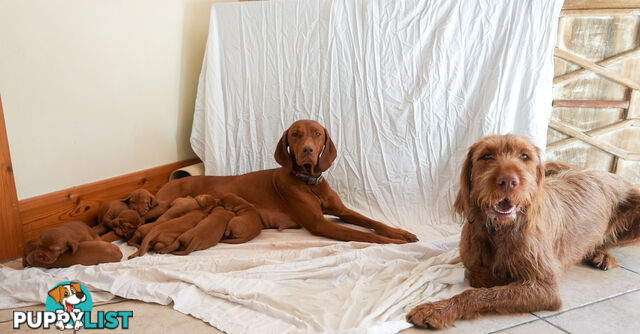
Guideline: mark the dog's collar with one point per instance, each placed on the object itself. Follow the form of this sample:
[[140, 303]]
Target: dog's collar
[[308, 179]]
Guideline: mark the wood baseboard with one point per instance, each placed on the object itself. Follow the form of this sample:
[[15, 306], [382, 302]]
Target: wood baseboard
[[82, 202]]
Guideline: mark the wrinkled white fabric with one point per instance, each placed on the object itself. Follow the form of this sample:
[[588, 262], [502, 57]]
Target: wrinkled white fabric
[[281, 282], [404, 87]]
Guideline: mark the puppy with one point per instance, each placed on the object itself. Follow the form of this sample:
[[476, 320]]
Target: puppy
[[165, 234], [247, 223], [142, 201], [126, 224], [53, 242], [526, 224], [207, 233], [89, 253], [107, 213], [179, 207]]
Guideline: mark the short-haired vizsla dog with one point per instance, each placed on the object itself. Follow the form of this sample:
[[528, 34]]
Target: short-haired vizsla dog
[[294, 194], [523, 229]]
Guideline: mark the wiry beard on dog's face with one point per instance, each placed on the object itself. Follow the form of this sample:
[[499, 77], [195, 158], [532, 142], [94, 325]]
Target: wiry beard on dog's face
[[501, 207]]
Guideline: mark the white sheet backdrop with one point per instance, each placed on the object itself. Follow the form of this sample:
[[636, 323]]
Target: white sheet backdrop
[[404, 87]]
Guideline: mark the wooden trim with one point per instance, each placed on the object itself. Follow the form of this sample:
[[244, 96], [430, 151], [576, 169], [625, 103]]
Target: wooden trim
[[625, 124], [10, 223], [600, 12], [611, 149], [590, 104], [601, 4], [82, 202], [603, 71], [561, 79]]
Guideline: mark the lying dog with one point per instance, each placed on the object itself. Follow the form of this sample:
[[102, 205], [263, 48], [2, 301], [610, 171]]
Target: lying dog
[[207, 233], [295, 194], [179, 207], [56, 241], [246, 224], [107, 213], [524, 230], [88, 253], [161, 236], [141, 201]]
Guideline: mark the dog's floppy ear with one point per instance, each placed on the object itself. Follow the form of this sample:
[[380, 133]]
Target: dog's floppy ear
[[282, 151], [73, 244], [329, 154], [153, 202], [540, 167], [461, 204], [127, 199], [57, 293]]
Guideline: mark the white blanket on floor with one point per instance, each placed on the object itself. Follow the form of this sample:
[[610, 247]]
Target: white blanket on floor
[[404, 87], [281, 282]]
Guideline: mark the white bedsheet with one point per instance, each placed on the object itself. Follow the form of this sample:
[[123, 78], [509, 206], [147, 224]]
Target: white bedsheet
[[404, 87]]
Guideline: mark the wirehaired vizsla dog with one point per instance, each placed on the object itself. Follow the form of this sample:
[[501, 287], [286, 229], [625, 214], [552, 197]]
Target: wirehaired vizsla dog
[[525, 225], [293, 195]]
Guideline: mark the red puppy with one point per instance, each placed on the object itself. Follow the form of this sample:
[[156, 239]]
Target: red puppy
[[53, 242], [206, 234], [179, 207], [88, 253]]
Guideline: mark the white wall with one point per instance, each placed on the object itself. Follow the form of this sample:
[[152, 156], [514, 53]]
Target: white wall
[[98, 88]]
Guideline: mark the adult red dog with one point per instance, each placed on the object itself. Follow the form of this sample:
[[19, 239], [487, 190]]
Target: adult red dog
[[293, 195]]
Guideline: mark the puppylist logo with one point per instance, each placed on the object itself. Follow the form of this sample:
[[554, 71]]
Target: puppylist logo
[[69, 306]]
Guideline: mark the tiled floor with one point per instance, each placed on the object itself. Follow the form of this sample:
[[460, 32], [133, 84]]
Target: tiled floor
[[594, 301]]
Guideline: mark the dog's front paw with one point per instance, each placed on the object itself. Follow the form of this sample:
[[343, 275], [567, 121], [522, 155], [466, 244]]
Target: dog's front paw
[[397, 233], [432, 315], [603, 261]]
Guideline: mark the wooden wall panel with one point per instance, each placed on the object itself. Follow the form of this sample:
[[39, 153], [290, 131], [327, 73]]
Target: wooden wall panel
[[10, 224], [594, 122], [82, 202]]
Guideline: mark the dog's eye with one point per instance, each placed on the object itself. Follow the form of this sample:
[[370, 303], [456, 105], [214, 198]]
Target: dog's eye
[[295, 134], [66, 294], [524, 156], [487, 156], [318, 133]]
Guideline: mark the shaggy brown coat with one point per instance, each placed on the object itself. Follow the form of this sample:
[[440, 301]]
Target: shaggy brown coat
[[525, 225]]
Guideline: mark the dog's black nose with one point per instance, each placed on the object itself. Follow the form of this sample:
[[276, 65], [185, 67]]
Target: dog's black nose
[[80, 294], [508, 182], [307, 149]]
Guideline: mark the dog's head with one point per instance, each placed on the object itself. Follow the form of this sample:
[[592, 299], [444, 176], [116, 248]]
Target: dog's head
[[306, 147], [141, 200], [499, 179], [68, 295], [126, 224], [51, 244], [206, 201]]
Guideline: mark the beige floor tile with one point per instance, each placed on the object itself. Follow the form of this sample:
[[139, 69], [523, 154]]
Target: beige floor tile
[[7, 327], [535, 327], [155, 318], [584, 285], [628, 257], [483, 324], [617, 315]]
